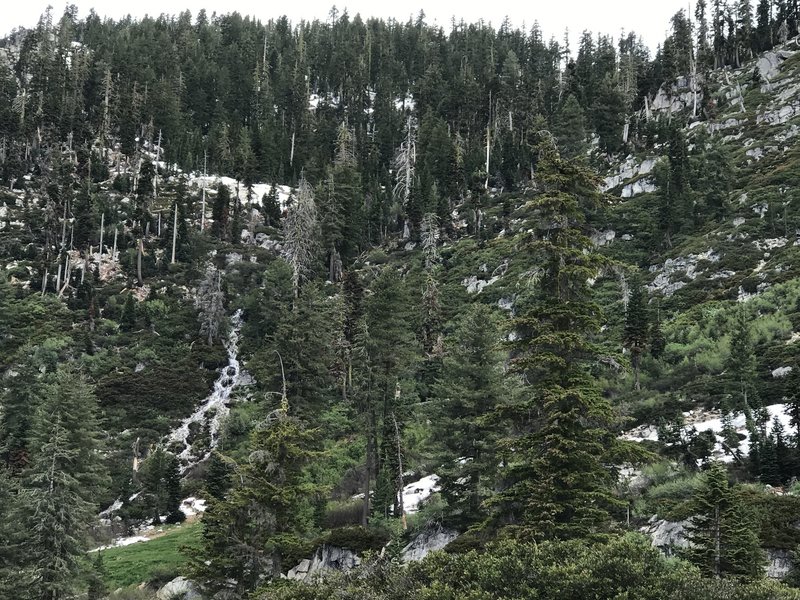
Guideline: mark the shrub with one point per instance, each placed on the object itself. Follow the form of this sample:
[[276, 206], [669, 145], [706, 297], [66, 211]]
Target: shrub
[[358, 539]]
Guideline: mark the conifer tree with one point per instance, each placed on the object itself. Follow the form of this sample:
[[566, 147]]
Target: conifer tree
[[248, 535], [127, 320], [210, 302], [270, 207], [569, 127], [301, 234], [56, 515], [466, 395], [558, 484], [722, 533], [220, 212], [636, 335], [608, 114], [741, 365]]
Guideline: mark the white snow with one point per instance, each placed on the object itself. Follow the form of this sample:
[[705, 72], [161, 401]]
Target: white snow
[[126, 541], [216, 402], [414, 494], [193, 506], [210, 182], [650, 433]]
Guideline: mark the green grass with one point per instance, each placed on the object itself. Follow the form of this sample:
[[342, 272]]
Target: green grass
[[137, 563]]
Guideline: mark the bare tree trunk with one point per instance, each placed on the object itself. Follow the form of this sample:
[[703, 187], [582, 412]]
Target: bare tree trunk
[[174, 232], [139, 261], [399, 466], [203, 207], [114, 248], [102, 230], [371, 464], [717, 542]]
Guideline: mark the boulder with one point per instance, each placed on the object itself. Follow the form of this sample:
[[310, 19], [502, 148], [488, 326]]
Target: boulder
[[779, 563], [667, 536], [179, 588], [326, 558], [426, 542], [768, 66]]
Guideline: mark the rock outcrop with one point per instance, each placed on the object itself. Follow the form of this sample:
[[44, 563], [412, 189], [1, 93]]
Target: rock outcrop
[[326, 558], [427, 542]]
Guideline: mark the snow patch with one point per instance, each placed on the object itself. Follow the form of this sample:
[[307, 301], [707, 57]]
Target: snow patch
[[414, 494]]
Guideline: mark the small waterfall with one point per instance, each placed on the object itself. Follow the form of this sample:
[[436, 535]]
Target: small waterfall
[[216, 402]]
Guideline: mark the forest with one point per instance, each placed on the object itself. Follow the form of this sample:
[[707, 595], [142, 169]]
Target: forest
[[362, 308]]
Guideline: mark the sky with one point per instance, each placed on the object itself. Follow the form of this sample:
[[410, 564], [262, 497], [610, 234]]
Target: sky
[[650, 19]]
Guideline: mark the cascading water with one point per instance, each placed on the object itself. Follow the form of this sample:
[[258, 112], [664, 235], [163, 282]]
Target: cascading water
[[216, 402]]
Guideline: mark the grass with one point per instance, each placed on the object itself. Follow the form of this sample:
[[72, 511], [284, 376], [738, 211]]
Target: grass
[[137, 563]]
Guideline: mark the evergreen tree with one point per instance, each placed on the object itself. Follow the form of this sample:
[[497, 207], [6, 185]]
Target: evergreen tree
[[741, 365], [270, 207], [161, 486], [210, 302], [248, 535], [127, 320], [558, 485], [763, 32], [467, 394], [722, 533], [301, 233], [636, 335], [56, 515], [97, 588], [569, 128], [608, 114], [220, 212]]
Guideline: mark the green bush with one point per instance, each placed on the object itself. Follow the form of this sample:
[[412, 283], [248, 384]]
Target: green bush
[[626, 567], [358, 539]]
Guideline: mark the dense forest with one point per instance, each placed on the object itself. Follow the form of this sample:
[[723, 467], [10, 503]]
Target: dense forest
[[360, 308]]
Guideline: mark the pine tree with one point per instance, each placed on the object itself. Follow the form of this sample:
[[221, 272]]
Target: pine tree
[[220, 212], [722, 533], [60, 489], [161, 486], [301, 234], [636, 335], [248, 534], [608, 114], [97, 588], [270, 207], [741, 365], [466, 395], [569, 128], [218, 476], [763, 33], [127, 320], [558, 485]]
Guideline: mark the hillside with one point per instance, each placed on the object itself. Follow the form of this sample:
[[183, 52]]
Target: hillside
[[372, 289]]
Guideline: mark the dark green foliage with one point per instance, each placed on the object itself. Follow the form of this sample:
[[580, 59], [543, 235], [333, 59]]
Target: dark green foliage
[[267, 513], [161, 486], [635, 337], [722, 531], [221, 213], [466, 395], [625, 567], [569, 128], [558, 485]]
